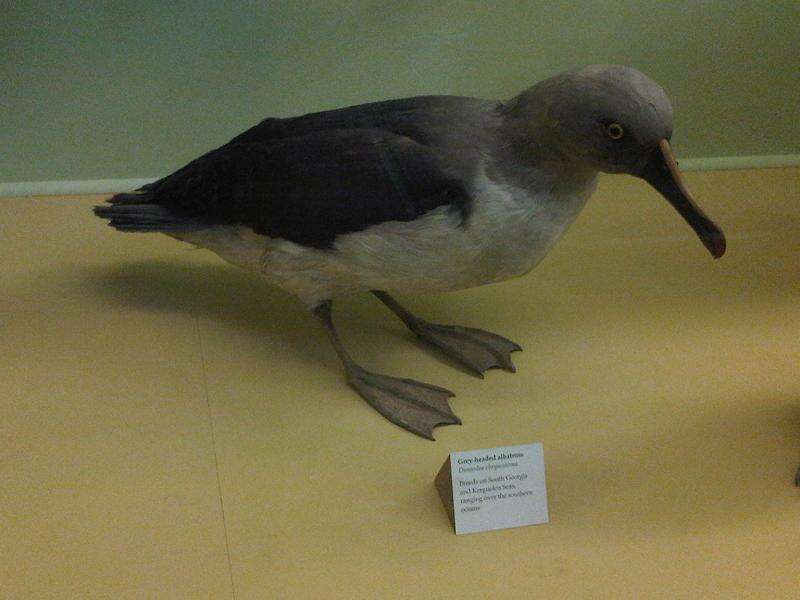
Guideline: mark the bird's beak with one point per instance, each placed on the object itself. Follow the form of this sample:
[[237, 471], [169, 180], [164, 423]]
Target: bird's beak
[[662, 173]]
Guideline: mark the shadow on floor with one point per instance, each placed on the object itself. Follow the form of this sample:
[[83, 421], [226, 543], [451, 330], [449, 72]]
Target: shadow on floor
[[214, 293], [238, 299]]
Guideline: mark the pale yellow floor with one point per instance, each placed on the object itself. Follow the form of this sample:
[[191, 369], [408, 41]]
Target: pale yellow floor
[[172, 428]]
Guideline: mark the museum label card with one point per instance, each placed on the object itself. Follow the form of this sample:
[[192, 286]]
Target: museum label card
[[496, 488]]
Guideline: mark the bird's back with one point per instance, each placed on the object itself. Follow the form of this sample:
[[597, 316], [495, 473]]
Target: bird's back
[[438, 121], [421, 118]]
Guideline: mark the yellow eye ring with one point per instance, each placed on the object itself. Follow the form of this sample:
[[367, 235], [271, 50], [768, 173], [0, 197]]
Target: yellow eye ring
[[615, 131]]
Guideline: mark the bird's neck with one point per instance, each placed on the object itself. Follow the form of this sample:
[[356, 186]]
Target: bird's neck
[[539, 174], [527, 156]]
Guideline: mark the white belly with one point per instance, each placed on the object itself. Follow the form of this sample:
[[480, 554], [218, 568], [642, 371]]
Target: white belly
[[506, 235]]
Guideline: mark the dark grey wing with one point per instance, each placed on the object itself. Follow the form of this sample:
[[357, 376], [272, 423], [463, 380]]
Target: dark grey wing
[[425, 119], [306, 189]]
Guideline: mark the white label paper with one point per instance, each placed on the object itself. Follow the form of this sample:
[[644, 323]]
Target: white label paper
[[496, 488]]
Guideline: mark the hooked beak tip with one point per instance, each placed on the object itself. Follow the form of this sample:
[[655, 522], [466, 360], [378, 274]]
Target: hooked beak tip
[[717, 245]]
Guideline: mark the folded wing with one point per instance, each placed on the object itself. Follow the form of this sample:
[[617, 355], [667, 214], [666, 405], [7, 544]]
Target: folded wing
[[305, 188]]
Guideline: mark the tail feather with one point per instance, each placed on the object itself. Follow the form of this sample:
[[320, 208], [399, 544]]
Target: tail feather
[[126, 216]]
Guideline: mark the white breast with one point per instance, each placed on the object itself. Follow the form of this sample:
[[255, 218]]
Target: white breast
[[508, 232], [517, 228]]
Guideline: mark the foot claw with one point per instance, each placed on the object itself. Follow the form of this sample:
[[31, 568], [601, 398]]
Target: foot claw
[[415, 406], [476, 349]]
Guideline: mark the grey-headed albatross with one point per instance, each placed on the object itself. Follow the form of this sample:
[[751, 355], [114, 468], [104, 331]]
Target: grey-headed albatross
[[418, 194]]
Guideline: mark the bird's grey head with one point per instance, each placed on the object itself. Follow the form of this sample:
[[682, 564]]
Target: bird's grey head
[[608, 118]]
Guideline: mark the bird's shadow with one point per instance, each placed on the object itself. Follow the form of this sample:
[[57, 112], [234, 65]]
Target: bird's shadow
[[237, 299], [208, 292]]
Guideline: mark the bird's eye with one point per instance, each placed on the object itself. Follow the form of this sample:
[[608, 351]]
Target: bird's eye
[[615, 131]]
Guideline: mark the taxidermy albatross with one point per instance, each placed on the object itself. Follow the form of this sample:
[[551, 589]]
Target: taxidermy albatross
[[425, 193]]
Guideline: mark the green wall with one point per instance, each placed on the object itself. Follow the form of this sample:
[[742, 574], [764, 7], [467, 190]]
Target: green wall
[[135, 89]]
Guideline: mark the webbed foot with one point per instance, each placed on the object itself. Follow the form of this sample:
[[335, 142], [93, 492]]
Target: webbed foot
[[413, 405], [476, 349]]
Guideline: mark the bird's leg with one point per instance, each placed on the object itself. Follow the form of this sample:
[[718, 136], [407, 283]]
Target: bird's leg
[[476, 349], [415, 406]]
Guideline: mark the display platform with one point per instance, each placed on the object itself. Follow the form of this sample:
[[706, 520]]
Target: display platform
[[171, 427]]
